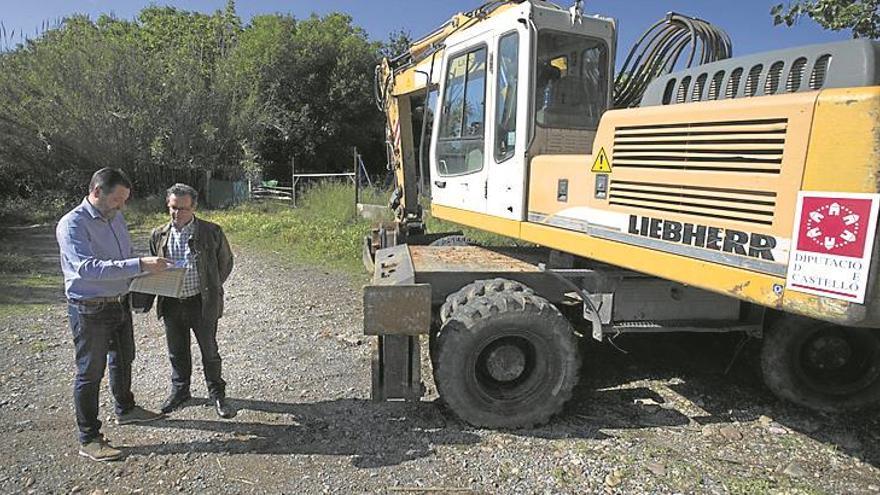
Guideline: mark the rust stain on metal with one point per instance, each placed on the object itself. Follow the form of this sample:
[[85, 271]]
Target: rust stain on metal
[[819, 308], [397, 309], [465, 258], [738, 289]]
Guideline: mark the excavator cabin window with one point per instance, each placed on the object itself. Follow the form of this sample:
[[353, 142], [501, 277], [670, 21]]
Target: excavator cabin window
[[571, 89], [462, 124], [506, 95]]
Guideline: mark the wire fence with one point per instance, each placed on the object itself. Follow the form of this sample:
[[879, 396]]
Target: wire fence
[[273, 190]]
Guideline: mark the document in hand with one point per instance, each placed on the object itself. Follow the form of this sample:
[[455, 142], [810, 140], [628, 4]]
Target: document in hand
[[168, 283]]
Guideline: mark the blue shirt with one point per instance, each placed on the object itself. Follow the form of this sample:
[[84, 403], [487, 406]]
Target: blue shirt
[[96, 255]]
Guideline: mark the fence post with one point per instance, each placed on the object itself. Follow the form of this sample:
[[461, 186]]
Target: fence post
[[208, 189], [292, 182], [357, 178]]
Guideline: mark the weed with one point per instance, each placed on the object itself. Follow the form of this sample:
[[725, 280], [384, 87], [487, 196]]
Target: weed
[[324, 229], [22, 310], [562, 476], [39, 346], [17, 263]]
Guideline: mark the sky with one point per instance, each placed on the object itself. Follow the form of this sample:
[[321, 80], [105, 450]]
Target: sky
[[747, 21]]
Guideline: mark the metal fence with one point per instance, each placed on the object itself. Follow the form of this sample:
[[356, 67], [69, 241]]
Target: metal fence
[[273, 190]]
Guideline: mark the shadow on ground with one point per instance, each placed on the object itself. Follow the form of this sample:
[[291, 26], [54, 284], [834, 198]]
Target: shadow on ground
[[382, 434], [701, 369]]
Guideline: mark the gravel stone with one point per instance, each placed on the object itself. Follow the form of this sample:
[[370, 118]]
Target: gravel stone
[[652, 420]]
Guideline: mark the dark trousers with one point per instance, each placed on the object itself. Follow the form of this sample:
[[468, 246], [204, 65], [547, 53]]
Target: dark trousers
[[102, 335], [181, 316]]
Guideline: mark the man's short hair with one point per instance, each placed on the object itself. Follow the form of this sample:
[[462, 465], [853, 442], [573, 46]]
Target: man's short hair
[[183, 190], [108, 178]]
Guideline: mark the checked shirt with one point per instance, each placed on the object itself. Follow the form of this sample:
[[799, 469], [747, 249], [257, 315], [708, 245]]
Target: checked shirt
[[179, 251]]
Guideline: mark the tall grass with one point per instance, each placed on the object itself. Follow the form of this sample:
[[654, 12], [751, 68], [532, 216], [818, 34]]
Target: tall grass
[[324, 229]]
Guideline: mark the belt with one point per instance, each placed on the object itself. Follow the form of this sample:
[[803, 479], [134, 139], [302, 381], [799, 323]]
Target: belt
[[184, 299], [94, 301]]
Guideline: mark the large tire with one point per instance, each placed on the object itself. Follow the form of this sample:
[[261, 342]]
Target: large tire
[[822, 366], [477, 289], [506, 360], [451, 240]]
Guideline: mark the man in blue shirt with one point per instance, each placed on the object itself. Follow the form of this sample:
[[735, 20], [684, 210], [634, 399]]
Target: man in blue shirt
[[98, 264]]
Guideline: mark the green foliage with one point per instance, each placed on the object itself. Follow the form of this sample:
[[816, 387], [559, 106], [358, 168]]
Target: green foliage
[[324, 229], [303, 89], [41, 208], [398, 43], [174, 93], [17, 263], [861, 16]]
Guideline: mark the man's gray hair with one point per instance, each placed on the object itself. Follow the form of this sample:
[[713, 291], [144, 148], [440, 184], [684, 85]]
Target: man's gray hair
[[182, 190]]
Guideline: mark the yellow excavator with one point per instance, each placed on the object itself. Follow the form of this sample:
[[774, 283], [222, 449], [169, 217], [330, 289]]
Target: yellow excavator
[[689, 192]]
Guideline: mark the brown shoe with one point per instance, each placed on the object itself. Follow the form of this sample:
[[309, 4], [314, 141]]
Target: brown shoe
[[137, 414], [100, 450]]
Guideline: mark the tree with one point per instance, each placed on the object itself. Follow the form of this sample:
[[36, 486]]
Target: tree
[[862, 16], [303, 89], [398, 43], [173, 94]]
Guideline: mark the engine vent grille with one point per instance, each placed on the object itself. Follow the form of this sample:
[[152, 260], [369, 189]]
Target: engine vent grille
[[741, 205], [820, 72], [754, 146]]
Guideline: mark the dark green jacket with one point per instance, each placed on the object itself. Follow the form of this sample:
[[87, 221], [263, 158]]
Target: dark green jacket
[[213, 261]]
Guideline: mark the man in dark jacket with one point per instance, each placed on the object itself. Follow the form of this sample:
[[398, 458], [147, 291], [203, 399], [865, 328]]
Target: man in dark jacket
[[202, 248]]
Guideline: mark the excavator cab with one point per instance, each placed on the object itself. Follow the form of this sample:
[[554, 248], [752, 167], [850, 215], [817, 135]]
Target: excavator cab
[[532, 79]]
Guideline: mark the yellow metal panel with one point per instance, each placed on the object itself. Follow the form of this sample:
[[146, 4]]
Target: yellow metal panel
[[547, 170], [717, 278], [844, 153], [730, 117], [489, 223]]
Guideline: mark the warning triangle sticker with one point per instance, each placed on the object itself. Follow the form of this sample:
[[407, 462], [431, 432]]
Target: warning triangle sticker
[[602, 165]]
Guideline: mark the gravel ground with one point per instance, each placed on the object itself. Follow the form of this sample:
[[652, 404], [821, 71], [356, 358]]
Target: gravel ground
[[657, 415]]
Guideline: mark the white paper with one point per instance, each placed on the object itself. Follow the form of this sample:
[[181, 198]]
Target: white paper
[[168, 283]]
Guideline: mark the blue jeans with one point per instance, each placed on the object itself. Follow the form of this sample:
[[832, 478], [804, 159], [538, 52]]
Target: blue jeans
[[102, 335], [181, 316]]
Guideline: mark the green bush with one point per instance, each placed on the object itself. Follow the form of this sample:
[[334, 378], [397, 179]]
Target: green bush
[[42, 208], [17, 263], [324, 229]]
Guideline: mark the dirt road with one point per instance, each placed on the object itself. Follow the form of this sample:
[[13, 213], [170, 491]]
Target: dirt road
[[661, 418]]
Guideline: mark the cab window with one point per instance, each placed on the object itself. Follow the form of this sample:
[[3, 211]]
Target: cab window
[[571, 89], [462, 123], [505, 107]]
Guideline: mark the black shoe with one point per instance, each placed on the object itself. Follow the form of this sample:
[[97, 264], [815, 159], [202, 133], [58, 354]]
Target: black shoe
[[224, 410], [174, 401]]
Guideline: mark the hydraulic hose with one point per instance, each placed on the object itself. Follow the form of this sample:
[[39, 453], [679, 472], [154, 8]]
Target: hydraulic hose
[[675, 42]]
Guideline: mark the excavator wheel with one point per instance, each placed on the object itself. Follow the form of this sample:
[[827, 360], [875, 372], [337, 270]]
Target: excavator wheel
[[506, 360], [822, 366], [480, 288]]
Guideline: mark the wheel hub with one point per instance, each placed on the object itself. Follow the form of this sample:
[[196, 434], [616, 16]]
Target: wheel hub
[[829, 352], [839, 361], [505, 363]]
